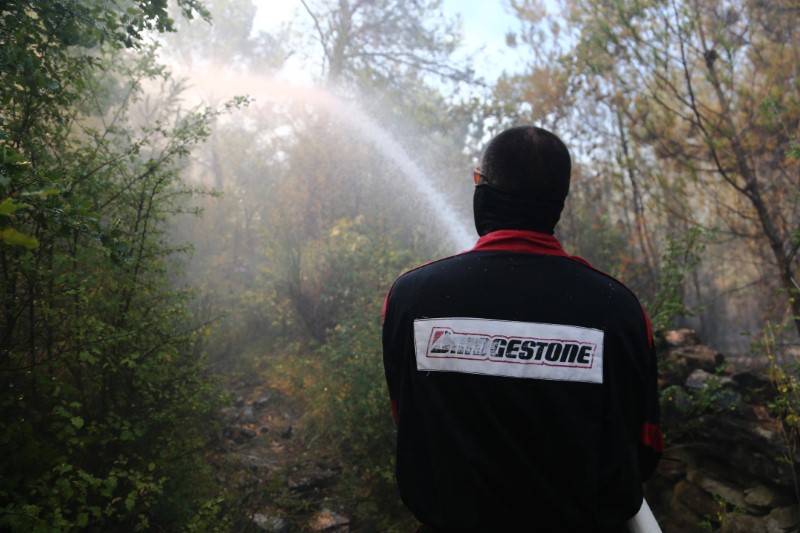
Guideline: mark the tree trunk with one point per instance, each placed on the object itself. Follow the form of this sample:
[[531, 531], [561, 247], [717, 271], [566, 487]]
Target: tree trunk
[[752, 191]]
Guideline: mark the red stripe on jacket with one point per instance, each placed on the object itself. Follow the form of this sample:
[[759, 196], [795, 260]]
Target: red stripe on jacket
[[652, 437]]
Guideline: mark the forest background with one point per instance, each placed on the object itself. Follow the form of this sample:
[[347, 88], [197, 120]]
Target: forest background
[[162, 236]]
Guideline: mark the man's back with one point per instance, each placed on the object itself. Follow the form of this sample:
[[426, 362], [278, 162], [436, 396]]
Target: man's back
[[519, 376]]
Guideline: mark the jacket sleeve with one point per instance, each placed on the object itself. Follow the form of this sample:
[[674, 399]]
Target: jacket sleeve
[[651, 441], [390, 347]]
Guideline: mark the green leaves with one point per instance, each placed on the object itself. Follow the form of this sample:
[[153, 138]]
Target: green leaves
[[679, 259], [91, 403], [794, 238], [9, 206], [14, 169], [10, 235]]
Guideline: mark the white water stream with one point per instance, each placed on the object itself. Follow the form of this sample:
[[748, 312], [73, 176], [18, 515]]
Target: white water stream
[[262, 89], [461, 235]]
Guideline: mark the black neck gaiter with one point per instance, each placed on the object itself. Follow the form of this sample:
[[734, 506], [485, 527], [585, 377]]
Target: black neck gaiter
[[495, 209]]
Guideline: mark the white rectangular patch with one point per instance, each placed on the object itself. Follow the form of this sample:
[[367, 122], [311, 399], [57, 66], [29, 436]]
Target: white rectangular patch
[[512, 349]]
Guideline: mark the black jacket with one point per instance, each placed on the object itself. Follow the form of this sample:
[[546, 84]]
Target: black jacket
[[523, 383]]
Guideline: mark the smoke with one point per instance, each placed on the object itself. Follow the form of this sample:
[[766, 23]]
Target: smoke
[[214, 85]]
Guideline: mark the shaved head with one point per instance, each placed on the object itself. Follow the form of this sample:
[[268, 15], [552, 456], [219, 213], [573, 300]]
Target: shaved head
[[528, 160]]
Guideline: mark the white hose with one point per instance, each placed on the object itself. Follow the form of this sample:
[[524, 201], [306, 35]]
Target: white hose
[[644, 521]]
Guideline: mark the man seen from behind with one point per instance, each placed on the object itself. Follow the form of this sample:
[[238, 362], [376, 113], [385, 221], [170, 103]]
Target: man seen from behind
[[522, 380]]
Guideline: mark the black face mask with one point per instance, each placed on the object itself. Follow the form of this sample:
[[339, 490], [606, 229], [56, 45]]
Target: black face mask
[[495, 208]]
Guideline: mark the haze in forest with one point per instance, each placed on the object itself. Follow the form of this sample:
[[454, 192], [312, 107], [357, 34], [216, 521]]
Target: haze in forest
[[624, 163], [180, 219]]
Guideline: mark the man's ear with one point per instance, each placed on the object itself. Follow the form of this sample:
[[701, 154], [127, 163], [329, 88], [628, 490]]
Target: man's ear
[[477, 175]]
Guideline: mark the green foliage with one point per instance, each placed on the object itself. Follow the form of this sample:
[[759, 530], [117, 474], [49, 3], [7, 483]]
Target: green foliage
[[358, 417], [105, 403], [12, 168], [686, 407], [339, 382], [786, 404], [723, 512], [353, 416], [90, 23], [679, 259]]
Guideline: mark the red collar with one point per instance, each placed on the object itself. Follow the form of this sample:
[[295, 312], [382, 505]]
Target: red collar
[[532, 242], [512, 240]]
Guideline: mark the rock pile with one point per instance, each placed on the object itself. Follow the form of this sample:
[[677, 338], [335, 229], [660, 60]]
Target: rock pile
[[728, 466]]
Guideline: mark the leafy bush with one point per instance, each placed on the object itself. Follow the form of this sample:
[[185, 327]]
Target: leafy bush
[[105, 407], [786, 403], [685, 409], [679, 258]]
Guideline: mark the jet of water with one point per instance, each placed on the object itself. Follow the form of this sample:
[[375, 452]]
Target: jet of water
[[459, 233], [351, 115]]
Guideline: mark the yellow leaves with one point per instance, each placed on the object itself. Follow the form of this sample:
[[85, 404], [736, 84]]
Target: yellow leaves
[[9, 206], [13, 237]]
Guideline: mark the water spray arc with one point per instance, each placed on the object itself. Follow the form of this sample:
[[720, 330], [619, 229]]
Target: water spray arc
[[358, 121], [459, 233]]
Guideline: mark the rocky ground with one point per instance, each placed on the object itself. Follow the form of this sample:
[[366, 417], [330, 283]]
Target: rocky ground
[[266, 467], [730, 464]]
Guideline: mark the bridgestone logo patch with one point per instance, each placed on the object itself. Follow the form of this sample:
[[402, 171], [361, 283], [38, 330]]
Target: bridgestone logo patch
[[512, 349]]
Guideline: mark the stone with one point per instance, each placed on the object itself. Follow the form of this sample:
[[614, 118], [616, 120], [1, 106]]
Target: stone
[[699, 379], [697, 356], [273, 524], [314, 481], [248, 416], [791, 353], [671, 468], [724, 469], [681, 337], [739, 523], [261, 402], [712, 483], [327, 520], [255, 461], [239, 435], [763, 497], [786, 518], [693, 497], [773, 527], [749, 438], [681, 454], [683, 360], [680, 518]]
